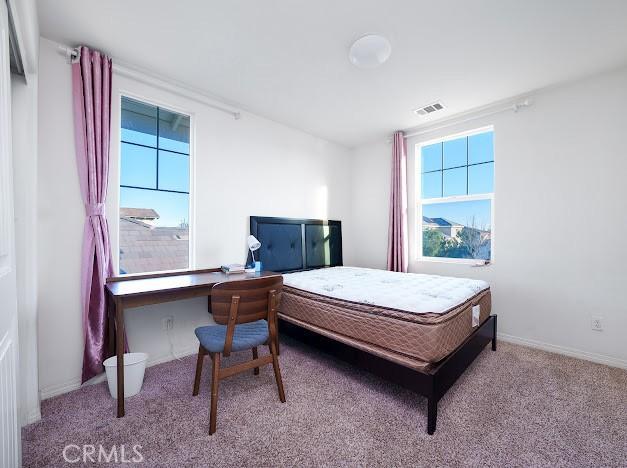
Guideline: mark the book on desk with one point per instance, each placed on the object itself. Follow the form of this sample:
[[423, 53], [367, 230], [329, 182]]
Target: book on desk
[[233, 268]]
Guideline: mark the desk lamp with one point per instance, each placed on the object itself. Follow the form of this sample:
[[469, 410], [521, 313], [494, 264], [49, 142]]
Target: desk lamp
[[254, 244]]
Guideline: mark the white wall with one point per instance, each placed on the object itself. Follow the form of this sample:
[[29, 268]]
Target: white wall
[[560, 201], [370, 204], [284, 172]]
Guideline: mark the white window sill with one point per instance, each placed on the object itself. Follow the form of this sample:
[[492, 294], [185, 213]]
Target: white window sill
[[455, 261]]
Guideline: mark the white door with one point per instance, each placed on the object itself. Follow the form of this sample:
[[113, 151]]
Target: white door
[[9, 430]]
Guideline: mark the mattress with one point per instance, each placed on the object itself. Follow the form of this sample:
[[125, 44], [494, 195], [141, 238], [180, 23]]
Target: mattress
[[413, 319]]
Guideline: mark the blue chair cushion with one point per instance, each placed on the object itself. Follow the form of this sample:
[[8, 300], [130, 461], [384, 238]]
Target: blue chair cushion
[[245, 336]]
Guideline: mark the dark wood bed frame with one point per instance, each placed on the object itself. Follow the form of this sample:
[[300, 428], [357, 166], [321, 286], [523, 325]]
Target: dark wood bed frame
[[432, 383]]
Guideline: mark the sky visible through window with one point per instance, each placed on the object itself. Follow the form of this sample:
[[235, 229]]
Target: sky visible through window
[[459, 167], [155, 156]]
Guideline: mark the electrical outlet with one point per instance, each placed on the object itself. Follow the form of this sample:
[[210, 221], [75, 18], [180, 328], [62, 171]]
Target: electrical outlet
[[167, 323], [596, 323]]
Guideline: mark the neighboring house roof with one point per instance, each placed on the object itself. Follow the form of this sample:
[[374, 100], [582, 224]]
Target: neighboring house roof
[[440, 222], [445, 223], [139, 213], [148, 248]]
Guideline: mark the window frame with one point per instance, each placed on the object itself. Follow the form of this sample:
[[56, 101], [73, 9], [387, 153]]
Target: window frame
[[124, 93], [419, 202]]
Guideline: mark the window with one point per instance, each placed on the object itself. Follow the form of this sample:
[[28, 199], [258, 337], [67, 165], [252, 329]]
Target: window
[[455, 197], [154, 188]]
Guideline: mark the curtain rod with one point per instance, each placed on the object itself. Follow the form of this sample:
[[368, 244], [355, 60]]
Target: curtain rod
[[454, 121], [72, 55]]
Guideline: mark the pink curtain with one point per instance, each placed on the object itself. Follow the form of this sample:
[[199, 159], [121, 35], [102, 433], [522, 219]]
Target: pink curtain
[[397, 230], [91, 87]]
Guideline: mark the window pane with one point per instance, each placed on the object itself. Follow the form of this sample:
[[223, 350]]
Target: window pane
[[432, 185], [173, 171], [139, 166], [139, 122], [431, 157], [154, 230], [481, 178], [481, 148], [457, 229], [454, 153], [154, 223], [173, 131], [454, 182]]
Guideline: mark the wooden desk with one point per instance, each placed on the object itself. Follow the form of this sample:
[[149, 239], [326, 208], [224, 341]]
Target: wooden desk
[[125, 292]]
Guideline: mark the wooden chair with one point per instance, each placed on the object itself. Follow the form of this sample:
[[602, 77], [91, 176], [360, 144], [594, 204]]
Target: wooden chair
[[245, 313]]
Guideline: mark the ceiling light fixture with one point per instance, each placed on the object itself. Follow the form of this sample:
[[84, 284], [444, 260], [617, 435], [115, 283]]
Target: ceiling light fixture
[[370, 51]]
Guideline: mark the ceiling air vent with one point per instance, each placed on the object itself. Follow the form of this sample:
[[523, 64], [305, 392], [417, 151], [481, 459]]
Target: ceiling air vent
[[430, 109]]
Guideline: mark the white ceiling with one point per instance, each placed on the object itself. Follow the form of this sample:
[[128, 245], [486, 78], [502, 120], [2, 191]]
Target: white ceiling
[[287, 60]]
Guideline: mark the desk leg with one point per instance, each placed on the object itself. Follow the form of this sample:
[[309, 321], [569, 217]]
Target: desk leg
[[119, 344]]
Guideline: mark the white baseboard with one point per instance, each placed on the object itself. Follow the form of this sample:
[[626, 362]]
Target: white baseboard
[[59, 389], [571, 352], [31, 417], [74, 384], [168, 357]]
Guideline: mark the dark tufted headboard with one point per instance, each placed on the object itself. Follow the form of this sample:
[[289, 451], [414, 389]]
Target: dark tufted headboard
[[289, 244]]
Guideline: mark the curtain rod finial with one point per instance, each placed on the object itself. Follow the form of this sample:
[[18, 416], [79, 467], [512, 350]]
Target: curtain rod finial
[[72, 55]]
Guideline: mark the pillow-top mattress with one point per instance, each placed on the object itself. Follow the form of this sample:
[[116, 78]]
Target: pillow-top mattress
[[409, 292], [413, 319]]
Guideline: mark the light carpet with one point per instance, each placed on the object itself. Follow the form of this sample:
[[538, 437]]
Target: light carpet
[[514, 407]]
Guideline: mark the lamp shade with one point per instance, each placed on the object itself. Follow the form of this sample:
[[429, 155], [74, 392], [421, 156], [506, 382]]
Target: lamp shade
[[253, 243]]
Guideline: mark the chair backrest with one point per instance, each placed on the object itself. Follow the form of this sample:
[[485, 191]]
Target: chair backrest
[[253, 304]]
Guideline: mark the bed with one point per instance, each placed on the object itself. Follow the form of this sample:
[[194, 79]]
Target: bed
[[421, 331]]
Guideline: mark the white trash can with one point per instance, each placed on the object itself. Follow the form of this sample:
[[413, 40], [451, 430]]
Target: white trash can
[[134, 367]]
